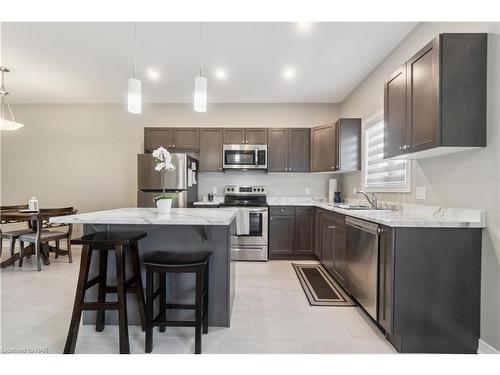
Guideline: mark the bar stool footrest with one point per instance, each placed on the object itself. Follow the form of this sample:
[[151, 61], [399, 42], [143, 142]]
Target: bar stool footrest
[[100, 306]]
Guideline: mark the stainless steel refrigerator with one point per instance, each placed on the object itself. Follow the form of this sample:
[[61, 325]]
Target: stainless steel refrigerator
[[183, 180]]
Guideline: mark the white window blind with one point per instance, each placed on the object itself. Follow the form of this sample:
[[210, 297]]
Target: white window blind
[[379, 174]]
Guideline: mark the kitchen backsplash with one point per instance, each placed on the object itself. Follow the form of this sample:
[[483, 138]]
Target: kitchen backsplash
[[278, 184]]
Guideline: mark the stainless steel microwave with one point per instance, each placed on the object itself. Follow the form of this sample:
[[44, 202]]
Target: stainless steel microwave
[[244, 157]]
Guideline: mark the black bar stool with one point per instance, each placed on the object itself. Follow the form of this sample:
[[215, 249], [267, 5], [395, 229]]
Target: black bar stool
[[176, 262], [104, 242]]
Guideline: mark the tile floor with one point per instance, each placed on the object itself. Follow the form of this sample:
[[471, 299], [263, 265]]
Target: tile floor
[[270, 315]]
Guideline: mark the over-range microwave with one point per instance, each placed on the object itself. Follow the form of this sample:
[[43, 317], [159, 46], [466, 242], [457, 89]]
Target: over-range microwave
[[244, 157]]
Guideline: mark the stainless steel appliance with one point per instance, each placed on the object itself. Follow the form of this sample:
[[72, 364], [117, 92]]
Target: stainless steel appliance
[[362, 248], [244, 157], [183, 180], [253, 200]]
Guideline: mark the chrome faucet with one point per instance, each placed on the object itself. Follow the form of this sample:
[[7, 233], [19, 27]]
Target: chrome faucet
[[371, 198]]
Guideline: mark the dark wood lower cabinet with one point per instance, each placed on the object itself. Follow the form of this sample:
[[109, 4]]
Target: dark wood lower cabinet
[[429, 289], [318, 243], [304, 220], [281, 236], [291, 233], [339, 257]]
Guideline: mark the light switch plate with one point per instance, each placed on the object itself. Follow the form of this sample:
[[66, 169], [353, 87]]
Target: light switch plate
[[420, 192], [306, 190], [214, 189]]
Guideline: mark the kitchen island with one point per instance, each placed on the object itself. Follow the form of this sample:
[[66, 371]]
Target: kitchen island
[[182, 229]]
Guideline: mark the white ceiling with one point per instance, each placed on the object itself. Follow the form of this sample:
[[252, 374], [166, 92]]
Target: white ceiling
[[90, 62]]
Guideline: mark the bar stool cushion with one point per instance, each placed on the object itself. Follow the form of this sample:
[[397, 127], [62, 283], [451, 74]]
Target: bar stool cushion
[[176, 258], [109, 238]]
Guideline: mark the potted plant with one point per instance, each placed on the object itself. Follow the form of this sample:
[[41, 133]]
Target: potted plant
[[163, 164]]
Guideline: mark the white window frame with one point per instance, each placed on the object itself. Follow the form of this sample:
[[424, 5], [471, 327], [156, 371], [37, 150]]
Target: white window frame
[[406, 188]]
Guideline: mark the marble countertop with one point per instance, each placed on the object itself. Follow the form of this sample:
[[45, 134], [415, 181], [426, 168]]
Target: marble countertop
[[407, 215], [150, 216], [215, 202]]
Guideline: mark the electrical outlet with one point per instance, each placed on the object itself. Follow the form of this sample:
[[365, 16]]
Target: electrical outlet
[[420, 192], [214, 190], [355, 191], [306, 190]]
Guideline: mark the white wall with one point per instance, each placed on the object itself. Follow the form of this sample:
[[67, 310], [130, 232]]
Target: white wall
[[85, 155], [468, 179]]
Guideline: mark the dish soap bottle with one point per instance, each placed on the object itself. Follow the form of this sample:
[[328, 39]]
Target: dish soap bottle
[[33, 204]]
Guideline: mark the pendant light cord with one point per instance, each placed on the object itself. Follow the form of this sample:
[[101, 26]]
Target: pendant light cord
[[135, 49], [200, 47]]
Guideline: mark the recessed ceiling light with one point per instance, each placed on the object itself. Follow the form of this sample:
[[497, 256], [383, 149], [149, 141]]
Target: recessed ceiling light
[[289, 73], [304, 26], [153, 74], [220, 74]]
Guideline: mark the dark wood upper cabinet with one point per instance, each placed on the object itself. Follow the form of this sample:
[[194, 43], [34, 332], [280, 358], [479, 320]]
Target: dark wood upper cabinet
[[323, 144], [182, 139], [336, 147], [186, 139], [256, 136], [304, 230], [395, 113], [252, 136], [436, 103], [210, 149], [288, 149], [299, 141], [277, 150], [233, 136], [156, 137]]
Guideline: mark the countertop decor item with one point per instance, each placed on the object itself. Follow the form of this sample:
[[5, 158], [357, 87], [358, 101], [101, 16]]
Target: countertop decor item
[[33, 204], [163, 164]]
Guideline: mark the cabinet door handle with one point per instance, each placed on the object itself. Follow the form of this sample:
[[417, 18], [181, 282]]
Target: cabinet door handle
[[270, 218], [289, 169], [332, 226], [400, 148]]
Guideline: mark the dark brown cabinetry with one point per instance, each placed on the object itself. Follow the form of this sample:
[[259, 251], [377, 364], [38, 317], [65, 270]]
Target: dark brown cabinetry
[[173, 139], [210, 150], [288, 149], [386, 278], [436, 102], [253, 136], [333, 245], [318, 243], [304, 230], [336, 147], [419, 307], [291, 232]]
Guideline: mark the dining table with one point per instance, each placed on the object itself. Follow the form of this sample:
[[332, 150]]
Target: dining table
[[31, 217]]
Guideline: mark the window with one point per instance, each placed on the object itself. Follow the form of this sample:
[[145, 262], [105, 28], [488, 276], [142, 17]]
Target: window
[[380, 175]]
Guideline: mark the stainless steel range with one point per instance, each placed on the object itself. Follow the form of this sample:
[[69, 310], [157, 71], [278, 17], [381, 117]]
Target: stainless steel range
[[253, 200]]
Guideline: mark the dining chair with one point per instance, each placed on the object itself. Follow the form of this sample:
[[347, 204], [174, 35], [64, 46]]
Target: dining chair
[[44, 234], [13, 235]]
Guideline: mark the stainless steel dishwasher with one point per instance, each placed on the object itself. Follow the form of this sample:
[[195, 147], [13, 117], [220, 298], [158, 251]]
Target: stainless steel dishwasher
[[362, 240]]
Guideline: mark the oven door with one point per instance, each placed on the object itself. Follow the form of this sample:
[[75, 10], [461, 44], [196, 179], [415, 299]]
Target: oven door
[[258, 232], [245, 157]]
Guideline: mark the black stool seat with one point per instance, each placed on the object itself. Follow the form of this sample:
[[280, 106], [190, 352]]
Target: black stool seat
[[109, 238], [176, 258], [105, 242], [161, 263]]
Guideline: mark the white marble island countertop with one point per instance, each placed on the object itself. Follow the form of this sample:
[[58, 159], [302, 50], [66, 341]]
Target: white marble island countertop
[[408, 215], [150, 216]]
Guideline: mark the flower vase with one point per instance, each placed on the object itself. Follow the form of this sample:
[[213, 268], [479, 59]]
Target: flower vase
[[164, 205]]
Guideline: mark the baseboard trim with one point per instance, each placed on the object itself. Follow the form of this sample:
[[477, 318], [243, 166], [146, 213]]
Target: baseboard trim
[[485, 348]]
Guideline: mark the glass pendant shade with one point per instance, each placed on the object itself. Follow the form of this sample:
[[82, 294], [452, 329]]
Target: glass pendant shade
[[134, 95], [8, 124], [200, 94]]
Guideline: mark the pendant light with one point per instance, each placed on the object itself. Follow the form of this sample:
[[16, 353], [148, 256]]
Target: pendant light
[[5, 124], [200, 89], [134, 85]]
